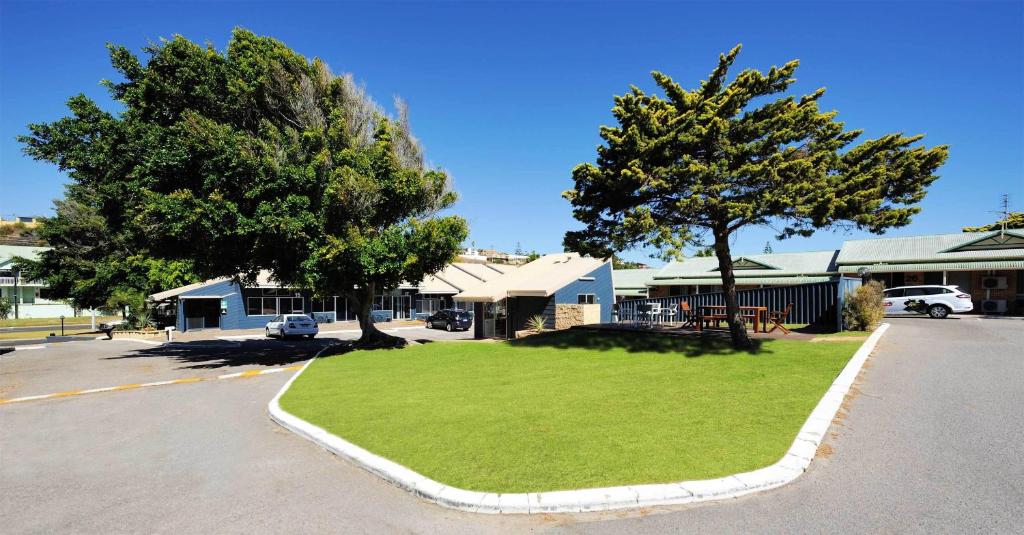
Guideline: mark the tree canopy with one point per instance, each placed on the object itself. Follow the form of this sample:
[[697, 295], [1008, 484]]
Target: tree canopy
[[87, 263], [258, 159], [719, 158], [1012, 220]]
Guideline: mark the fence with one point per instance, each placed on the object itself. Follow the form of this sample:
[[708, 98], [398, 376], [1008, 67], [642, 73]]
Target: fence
[[820, 303]]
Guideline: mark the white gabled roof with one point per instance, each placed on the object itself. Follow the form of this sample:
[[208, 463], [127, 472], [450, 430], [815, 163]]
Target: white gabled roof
[[456, 277], [540, 278], [263, 280], [175, 292]]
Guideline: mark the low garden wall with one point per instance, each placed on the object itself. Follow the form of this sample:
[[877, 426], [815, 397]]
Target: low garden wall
[[567, 315]]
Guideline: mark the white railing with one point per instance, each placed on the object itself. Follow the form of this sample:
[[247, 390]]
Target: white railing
[[8, 281]]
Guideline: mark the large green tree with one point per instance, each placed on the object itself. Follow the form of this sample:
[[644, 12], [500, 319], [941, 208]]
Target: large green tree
[[88, 264], [254, 159], [720, 158]]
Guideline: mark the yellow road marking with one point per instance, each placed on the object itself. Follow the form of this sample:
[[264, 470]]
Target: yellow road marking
[[132, 386]]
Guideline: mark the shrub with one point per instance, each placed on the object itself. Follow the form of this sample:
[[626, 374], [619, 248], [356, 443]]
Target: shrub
[[864, 307], [5, 308], [537, 323]]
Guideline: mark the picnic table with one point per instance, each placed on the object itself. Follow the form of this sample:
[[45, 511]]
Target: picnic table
[[718, 313]]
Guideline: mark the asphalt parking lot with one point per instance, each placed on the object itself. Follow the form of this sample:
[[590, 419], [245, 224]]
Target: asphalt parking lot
[[929, 442]]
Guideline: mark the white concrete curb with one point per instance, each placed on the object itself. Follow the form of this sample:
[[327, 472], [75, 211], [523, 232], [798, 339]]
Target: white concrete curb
[[792, 465]]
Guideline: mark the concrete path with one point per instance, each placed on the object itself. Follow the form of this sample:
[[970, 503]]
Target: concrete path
[[931, 444]]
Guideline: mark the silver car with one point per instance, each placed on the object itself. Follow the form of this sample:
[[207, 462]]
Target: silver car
[[287, 325]]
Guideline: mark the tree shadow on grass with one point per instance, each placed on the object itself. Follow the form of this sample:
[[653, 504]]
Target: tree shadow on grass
[[214, 354], [692, 345]]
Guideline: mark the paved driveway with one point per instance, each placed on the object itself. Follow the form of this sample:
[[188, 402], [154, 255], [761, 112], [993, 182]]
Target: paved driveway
[[931, 443]]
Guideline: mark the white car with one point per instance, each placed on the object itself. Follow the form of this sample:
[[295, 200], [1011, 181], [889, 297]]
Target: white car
[[287, 325], [936, 301]]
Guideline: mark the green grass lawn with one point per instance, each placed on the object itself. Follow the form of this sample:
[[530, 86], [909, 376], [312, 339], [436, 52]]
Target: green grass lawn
[[571, 409], [32, 322], [30, 335]]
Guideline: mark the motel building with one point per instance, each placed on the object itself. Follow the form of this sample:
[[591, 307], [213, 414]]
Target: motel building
[[225, 304], [566, 289], [987, 265]]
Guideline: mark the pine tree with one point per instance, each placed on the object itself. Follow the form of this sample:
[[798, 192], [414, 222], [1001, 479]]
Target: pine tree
[[707, 161]]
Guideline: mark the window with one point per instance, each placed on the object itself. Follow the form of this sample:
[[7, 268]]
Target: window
[[269, 306], [585, 299], [912, 292], [323, 305], [894, 293]]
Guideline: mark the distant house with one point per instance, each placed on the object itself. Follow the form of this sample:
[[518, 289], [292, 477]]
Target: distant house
[[225, 304], [631, 283], [565, 288], [987, 265], [701, 274], [32, 297]]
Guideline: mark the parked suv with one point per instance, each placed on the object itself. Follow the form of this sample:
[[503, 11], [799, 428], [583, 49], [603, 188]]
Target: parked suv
[[450, 320], [936, 301]]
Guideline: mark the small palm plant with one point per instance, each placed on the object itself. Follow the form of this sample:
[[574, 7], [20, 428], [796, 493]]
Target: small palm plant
[[537, 323]]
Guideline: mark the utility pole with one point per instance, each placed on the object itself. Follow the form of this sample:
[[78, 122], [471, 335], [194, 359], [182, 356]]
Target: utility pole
[[17, 292]]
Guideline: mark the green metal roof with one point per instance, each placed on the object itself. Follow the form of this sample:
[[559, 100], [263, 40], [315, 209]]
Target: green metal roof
[[937, 248], [632, 279], [936, 266], [711, 281], [778, 265]]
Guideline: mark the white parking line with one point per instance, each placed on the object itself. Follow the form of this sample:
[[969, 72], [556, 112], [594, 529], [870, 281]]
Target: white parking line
[[133, 386]]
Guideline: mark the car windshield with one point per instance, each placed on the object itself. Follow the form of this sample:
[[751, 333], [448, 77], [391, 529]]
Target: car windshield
[[298, 318]]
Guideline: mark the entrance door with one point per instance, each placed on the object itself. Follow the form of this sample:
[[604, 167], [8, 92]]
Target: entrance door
[[202, 313]]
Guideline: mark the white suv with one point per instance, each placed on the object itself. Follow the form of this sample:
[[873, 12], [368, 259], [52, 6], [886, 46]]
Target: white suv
[[936, 301]]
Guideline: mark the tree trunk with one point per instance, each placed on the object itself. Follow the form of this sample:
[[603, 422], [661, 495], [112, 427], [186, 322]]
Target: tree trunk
[[372, 338], [737, 329]]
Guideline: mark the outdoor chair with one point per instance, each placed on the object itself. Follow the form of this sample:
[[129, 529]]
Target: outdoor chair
[[778, 317], [641, 313], [670, 313], [655, 313], [687, 315]]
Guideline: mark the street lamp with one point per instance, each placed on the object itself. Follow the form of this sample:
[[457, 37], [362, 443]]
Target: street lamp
[[865, 274]]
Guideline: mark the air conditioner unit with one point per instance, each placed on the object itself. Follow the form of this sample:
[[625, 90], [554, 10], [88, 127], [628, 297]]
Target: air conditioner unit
[[991, 306], [993, 283]]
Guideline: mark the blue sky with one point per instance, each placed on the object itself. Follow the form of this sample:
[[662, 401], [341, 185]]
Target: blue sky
[[509, 97]]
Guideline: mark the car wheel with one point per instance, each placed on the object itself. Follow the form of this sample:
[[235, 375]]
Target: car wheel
[[268, 332], [430, 325], [938, 311], [312, 336], [448, 327]]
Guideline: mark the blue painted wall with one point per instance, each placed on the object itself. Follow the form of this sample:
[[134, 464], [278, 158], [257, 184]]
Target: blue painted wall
[[236, 318], [602, 288]]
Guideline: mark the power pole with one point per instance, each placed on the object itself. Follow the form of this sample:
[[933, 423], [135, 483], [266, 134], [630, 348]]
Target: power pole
[[17, 292]]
